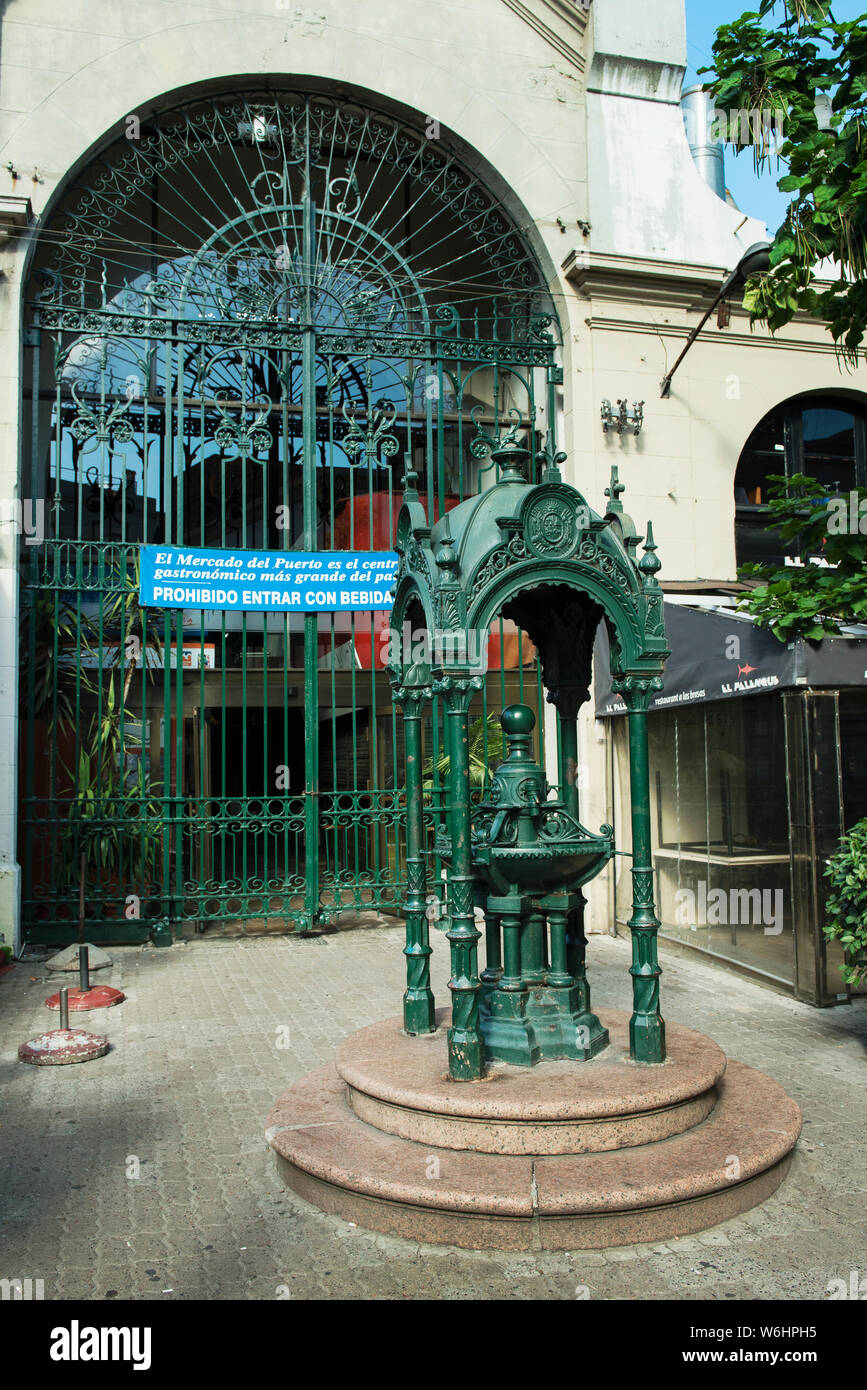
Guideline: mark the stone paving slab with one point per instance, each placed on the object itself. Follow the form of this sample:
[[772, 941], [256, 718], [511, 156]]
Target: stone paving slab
[[213, 1031]]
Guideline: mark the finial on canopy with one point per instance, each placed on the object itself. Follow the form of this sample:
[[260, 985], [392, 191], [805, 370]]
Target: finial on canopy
[[649, 562], [613, 491], [445, 558], [505, 450]]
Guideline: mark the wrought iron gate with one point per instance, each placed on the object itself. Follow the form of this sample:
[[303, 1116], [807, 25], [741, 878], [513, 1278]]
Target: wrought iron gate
[[244, 319]]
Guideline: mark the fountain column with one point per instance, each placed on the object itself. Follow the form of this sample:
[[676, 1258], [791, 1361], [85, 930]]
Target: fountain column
[[646, 1027], [466, 1048], [568, 700], [418, 1000]]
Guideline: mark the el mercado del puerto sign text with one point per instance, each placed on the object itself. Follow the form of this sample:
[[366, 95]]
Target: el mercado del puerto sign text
[[266, 580]]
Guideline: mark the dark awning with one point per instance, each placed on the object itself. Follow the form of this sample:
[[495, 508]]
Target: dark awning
[[718, 654]]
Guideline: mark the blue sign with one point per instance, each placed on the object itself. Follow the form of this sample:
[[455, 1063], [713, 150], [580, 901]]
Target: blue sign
[[279, 581]]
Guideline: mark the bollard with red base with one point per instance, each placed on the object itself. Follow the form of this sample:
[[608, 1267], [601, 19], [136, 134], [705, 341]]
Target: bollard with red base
[[63, 1045], [87, 996]]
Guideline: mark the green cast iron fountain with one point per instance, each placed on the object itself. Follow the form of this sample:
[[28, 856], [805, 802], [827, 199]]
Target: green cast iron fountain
[[538, 554], [531, 856]]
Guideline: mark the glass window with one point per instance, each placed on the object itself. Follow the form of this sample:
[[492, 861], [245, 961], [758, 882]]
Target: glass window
[[829, 447], [720, 832], [816, 435]]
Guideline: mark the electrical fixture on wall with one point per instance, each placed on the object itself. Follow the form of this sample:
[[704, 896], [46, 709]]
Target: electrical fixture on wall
[[754, 261], [622, 419]]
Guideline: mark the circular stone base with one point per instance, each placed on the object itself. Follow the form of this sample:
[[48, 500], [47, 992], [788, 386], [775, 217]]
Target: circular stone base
[[635, 1179], [83, 1000], [401, 1085], [62, 1046]]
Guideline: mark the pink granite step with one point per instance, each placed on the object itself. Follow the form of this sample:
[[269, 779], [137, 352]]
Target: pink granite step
[[401, 1084], [725, 1165]]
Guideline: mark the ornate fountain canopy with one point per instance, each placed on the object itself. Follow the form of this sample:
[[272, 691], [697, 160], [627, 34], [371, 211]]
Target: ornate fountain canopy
[[538, 553]]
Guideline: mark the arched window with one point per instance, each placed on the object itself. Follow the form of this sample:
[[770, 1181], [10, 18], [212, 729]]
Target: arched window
[[823, 436]]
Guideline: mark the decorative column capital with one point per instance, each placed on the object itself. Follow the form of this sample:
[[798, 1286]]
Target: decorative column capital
[[410, 687], [412, 698], [458, 691], [637, 691], [568, 699]]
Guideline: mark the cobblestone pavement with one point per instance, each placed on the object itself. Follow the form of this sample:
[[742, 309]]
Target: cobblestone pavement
[[197, 1062]]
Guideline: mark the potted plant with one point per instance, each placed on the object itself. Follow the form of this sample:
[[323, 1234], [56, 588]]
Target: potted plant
[[115, 826], [846, 904], [52, 629]]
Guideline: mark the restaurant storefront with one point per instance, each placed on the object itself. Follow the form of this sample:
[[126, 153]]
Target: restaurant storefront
[[755, 775]]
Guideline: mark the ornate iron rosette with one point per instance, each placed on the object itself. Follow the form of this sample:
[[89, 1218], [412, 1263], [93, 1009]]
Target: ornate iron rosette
[[550, 525]]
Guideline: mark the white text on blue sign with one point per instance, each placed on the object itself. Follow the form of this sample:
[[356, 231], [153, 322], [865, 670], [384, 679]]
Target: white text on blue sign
[[257, 580]]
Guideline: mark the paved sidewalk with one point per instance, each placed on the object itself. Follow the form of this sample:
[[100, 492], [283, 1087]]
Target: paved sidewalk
[[199, 1056]]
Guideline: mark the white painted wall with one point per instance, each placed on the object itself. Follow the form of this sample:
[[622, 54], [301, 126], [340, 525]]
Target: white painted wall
[[646, 196]]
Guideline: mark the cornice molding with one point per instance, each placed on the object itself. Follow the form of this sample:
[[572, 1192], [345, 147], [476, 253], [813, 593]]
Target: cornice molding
[[563, 26], [16, 215], [639, 280], [602, 275], [720, 337], [639, 79]]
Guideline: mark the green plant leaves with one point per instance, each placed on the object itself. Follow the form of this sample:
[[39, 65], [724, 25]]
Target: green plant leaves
[[846, 904], [800, 53], [114, 817], [809, 600], [486, 749]]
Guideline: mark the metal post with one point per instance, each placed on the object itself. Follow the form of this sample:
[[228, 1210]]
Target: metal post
[[466, 1049], [418, 1001], [569, 760], [511, 980], [311, 620], [533, 949], [568, 704], [84, 968], [646, 1027], [493, 956], [64, 1007], [559, 975]]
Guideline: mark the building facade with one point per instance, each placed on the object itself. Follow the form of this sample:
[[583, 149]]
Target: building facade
[[254, 261]]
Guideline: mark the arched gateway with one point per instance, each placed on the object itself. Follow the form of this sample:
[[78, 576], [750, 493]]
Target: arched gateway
[[245, 318]]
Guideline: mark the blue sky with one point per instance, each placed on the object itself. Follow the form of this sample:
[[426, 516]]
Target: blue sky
[[758, 196]]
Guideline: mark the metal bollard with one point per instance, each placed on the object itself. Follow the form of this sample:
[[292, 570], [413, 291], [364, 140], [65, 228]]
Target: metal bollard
[[84, 968], [64, 1044]]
